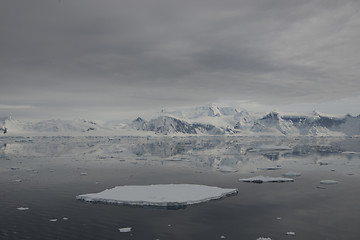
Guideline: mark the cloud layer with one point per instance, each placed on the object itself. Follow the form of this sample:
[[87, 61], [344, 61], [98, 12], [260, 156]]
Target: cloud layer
[[117, 56]]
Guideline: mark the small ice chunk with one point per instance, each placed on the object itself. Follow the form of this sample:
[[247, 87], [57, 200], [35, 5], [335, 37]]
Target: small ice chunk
[[84, 173], [53, 220], [348, 152], [227, 169], [65, 218], [292, 174], [263, 238], [274, 148], [290, 233], [22, 208], [328, 182], [278, 218], [125, 229], [222, 237], [270, 168], [262, 179], [161, 195]]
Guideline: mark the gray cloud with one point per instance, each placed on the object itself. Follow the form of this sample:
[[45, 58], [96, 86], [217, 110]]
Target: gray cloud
[[140, 54]]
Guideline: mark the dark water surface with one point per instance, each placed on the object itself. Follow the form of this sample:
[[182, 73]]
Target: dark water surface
[[45, 175]]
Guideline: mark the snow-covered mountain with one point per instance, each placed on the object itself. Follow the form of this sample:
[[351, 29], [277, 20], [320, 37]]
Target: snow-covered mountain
[[171, 125], [214, 120], [206, 120], [11, 126]]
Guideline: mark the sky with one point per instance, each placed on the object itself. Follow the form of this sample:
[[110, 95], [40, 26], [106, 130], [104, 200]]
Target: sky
[[111, 59]]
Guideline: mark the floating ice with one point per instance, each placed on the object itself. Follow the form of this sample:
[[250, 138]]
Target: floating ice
[[270, 168], [328, 182], [125, 229], [22, 208], [83, 173], [162, 195], [290, 233], [53, 220], [263, 238], [262, 179], [274, 148], [227, 169], [348, 152], [292, 174]]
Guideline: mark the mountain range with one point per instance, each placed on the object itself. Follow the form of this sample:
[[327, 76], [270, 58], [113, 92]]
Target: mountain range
[[205, 120]]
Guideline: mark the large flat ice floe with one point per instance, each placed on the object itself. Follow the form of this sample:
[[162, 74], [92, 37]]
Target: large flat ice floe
[[263, 179], [162, 195]]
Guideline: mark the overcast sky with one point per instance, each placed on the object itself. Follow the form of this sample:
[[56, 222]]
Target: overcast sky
[[112, 59]]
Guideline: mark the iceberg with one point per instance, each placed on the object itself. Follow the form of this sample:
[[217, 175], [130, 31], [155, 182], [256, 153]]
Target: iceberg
[[270, 168], [161, 195], [22, 208], [328, 182], [290, 233], [292, 174], [262, 179], [125, 229]]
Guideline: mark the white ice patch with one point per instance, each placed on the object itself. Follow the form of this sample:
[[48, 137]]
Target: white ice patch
[[125, 229], [290, 233], [292, 174], [328, 182], [262, 179], [22, 208], [162, 195], [263, 238]]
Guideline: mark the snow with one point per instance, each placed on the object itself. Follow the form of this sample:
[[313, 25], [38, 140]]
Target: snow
[[262, 179], [125, 229], [205, 120], [328, 182], [162, 195]]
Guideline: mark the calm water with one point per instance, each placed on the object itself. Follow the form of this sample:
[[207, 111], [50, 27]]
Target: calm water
[[45, 175]]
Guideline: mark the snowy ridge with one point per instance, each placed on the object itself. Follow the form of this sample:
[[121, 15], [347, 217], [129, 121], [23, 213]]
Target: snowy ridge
[[10, 126], [206, 120], [214, 120]]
